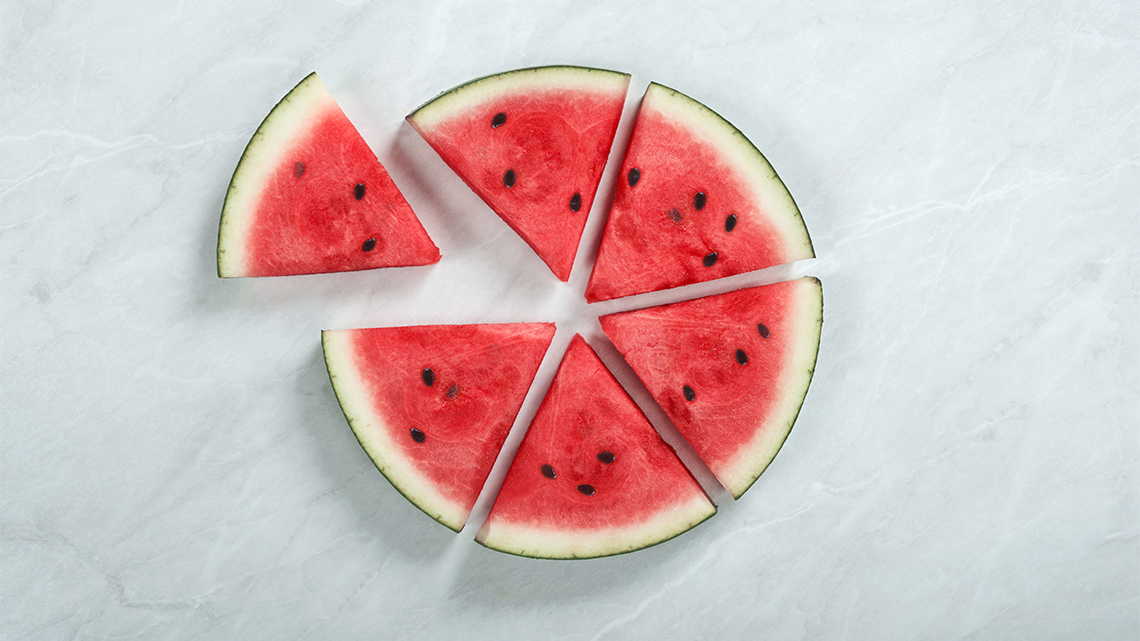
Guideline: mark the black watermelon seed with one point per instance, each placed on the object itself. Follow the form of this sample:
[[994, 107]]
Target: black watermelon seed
[[548, 471], [699, 200], [675, 215], [606, 457], [499, 120], [418, 436], [358, 191], [509, 178], [741, 357], [369, 245], [576, 202], [298, 169], [428, 376], [453, 391], [709, 259], [690, 395], [763, 330], [634, 176], [588, 490], [730, 223]]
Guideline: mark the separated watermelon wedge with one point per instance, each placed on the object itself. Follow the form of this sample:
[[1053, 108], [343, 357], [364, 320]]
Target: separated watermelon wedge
[[591, 477], [432, 405], [532, 143], [731, 371], [309, 196], [695, 201]]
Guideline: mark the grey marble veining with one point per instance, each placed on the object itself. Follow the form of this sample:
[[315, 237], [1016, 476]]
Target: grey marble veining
[[173, 463]]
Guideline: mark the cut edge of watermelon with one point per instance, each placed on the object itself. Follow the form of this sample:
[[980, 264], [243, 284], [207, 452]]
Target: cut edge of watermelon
[[793, 392], [553, 544], [727, 138], [474, 93], [743, 156], [357, 408], [274, 136], [486, 88]]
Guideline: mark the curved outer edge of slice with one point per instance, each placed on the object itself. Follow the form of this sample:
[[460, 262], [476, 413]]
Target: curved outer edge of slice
[[793, 392], [749, 162], [546, 543], [723, 135], [290, 117], [486, 88], [553, 544], [357, 408], [474, 93], [744, 472]]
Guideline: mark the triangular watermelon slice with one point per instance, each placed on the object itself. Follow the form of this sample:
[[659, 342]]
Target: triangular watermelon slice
[[695, 201], [592, 477], [532, 144], [730, 370], [432, 405], [309, 196]]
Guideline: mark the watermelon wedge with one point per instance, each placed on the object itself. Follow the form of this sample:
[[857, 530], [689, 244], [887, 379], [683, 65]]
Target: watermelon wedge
[[532, 144], [432, 405], [695, 201], [309, 196], [591, 477], [730, 370]]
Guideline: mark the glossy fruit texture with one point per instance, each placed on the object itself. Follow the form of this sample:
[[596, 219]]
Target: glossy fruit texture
[[309, 196], [532, 144], [432, 405], [731, 370], [694, 201], [592, 477]]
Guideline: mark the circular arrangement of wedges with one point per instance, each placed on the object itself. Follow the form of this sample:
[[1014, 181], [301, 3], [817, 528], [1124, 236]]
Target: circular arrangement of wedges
[[694, 201]]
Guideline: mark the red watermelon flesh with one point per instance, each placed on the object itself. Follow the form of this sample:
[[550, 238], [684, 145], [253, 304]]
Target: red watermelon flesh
[[432, 405], [731, 370], [695, 201], [592, 477], [309, 196], [532, 144]]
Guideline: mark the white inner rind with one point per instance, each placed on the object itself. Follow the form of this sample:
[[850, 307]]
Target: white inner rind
[[514, 83], [807, 320], [372, 430], [288, 120], [553, 542], [750, 166]]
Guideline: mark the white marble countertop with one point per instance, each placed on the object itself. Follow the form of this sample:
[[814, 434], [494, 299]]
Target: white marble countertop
[[174, 463]]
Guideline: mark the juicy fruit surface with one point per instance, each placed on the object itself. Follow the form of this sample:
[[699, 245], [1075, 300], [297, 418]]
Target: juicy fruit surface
[[432, 405], [695, 201], [731, 370], [532, 144], [309, 196], [592, 477]]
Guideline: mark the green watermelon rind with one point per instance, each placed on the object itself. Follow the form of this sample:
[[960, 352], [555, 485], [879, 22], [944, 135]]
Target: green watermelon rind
[[736, 141], [546, 541], [813, 331], [537, 543], [480, 91], [747, 161], [354, 403], [483, 88], [289, 117]]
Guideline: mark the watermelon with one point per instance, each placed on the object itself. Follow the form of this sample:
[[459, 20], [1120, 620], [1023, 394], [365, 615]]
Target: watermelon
[[694, 201], [532, 143], [591, 477], [309, 196], [432, 405], [731, 370]]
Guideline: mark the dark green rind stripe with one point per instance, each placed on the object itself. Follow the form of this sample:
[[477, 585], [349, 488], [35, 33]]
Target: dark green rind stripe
[[352, 422]]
